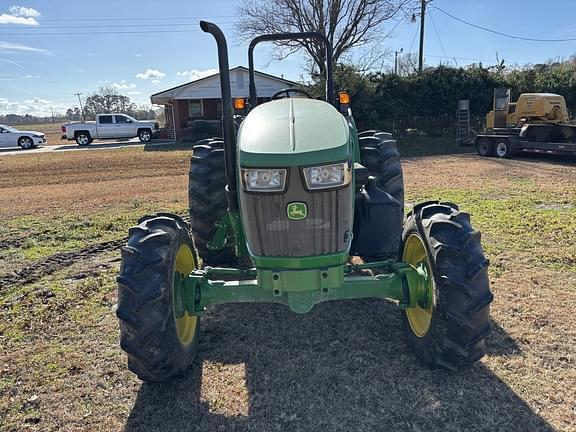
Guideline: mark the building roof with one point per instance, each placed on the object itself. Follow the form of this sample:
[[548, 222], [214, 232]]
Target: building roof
[[209, 86]]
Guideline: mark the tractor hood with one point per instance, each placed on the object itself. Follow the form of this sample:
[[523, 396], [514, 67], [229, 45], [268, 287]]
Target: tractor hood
[[293, 131]]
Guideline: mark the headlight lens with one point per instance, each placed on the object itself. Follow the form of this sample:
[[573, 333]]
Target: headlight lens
[[328, 176], [264, 180]]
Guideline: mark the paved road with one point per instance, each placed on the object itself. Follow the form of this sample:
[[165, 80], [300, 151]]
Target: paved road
[[105, 145]]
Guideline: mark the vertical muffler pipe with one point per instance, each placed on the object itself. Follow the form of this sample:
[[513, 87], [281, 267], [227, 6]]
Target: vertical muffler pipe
[[228, 132]]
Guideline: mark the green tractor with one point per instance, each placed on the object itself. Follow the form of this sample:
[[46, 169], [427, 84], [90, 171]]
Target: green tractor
[[294, 206]]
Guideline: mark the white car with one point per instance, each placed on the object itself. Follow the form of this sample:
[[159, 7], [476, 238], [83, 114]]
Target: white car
[[10, 137]]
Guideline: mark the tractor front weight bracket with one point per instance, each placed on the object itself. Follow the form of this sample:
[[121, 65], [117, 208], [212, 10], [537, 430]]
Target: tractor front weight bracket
[[229, 233], [300, 290]]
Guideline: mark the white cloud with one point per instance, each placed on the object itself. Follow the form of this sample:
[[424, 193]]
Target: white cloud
[[24, 11], [134, 92], [138, 55], [155, 81], [13, 47], [123, 85], [20, 15], [194, 74], [11, 19], [33, 106], [151, 74]]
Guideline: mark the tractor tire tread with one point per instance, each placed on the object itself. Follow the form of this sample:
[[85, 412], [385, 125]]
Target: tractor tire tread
[[147, 332], [461, 321], [207, 201], [379, 153]]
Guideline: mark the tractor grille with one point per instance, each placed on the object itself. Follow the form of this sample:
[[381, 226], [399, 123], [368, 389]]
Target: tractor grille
[[326, 229]]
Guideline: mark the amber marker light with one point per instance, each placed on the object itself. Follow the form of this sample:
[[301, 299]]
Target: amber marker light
[[344, 98], [239, 103]]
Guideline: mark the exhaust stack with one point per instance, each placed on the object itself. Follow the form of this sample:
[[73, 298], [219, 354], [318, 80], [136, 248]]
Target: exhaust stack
[[228, 132]]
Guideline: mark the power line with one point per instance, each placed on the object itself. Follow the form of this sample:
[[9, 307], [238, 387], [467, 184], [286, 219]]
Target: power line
[[461, 58], [138, 18], [500, 33], [107, 32], [414, 38], [32, 29], [438, 35]]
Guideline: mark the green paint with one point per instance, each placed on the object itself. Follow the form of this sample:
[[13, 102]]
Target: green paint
[[303, 263], [297, 210], [224, 233], [300, 290], [293, 132], [229, 232]]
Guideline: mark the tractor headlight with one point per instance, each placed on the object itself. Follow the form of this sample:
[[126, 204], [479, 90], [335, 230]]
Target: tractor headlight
[[264, 180], [328, 176]]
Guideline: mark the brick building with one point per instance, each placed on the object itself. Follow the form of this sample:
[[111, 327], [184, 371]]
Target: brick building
[[201, 99]]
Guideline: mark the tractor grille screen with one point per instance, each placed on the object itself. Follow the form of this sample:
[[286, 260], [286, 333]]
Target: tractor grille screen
[[326, 227]]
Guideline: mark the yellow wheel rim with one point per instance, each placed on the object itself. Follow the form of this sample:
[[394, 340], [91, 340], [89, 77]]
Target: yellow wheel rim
[[419, 318], [186, 324]]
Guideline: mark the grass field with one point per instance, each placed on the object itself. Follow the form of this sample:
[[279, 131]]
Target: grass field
[[342, 367]]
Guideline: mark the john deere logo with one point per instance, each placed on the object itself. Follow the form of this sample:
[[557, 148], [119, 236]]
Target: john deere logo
[[297, 210]]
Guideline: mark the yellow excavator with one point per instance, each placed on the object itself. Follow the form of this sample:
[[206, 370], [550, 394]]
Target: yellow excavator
[[535, 123]]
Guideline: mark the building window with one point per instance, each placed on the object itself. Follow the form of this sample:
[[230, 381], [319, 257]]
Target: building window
[[195, 108]]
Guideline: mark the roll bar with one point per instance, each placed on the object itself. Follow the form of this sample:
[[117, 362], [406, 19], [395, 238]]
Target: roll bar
[[290, 36]]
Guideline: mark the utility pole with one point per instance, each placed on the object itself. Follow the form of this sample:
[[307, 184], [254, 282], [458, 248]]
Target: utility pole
[[421, 51], [81, 109], [396, 60], [52, 110]]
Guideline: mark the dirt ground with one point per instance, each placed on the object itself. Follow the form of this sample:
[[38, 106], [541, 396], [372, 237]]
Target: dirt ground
[[342, 367]]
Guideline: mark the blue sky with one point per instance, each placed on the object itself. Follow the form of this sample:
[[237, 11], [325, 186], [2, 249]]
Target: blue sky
[[39, 70]]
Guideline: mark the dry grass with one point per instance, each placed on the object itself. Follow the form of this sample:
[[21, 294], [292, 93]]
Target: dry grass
[[341, 367], [86, 182]]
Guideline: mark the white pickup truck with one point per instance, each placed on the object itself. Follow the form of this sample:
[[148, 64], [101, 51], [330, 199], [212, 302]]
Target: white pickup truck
[[110, 126]]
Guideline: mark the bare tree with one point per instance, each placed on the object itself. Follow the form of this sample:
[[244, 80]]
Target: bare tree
[[407, 64], [347, 24], [107, 100]]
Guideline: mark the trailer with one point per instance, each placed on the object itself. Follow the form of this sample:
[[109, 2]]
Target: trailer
[[506, 145], [536, 123]]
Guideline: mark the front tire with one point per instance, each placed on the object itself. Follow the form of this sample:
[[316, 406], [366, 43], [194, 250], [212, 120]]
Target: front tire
[[451, 329], [26, 143], [145, 135], [160, 339]]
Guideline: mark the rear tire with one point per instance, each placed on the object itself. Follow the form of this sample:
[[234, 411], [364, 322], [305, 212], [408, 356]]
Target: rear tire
[[83, 138], [485, 147], [450, 332], [379, 153], [158, 343], [207, 201], [502, 149]]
